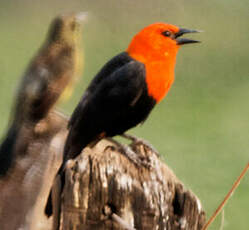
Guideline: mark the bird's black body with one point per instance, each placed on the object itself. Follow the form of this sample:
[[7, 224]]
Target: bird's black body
[[125, 90], [115, 101], [6, 150]]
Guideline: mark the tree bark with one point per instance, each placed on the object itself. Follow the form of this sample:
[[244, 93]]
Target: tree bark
[[106, 190], [24, 190]]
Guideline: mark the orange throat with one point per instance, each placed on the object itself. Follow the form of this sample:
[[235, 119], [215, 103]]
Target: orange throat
[[159, 74], [159, 78], [158, 54]]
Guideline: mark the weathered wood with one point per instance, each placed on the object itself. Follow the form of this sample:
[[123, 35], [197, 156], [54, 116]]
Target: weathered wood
[[24, 190], [103, 185]]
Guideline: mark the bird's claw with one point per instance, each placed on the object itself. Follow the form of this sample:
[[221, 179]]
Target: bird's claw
[[140, 141], [137, 159]]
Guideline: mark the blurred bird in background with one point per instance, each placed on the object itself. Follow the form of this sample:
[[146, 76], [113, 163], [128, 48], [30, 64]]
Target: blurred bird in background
[[125, 90], [50, 76]]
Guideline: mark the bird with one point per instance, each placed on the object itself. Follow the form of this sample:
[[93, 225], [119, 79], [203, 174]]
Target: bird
[[125, 90], [48, 78], [52, 72]]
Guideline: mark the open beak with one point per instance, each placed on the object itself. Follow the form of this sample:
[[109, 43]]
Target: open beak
[[182, 41]]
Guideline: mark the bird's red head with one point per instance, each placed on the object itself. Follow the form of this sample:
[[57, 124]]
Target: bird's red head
[[158, 40], [156, 46]]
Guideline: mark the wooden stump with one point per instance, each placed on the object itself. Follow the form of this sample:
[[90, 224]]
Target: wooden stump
[[104, 188], [24, 190]]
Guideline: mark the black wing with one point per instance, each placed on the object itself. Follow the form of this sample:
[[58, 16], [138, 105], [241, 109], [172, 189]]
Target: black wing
[[110, 67], [110, 105], [107, 106]]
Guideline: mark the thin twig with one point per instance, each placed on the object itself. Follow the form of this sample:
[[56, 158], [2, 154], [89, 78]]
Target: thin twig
[[235, 185], [222, 219]]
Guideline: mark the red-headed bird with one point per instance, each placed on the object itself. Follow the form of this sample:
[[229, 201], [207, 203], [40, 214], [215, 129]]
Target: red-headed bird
[[127, 88]]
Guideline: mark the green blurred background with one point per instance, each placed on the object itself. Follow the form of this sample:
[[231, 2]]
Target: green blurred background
[[202, 127]]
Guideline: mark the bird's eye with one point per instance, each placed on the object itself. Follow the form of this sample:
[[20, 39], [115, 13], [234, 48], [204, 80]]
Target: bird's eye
[[166, 33]]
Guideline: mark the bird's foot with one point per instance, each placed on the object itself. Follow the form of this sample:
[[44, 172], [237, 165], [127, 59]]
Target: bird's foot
[[140, 141], [137, 159]]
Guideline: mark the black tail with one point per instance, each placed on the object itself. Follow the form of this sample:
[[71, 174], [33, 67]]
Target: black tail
[[54, 200], [71, 150], [49, 206], [7, 150]]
